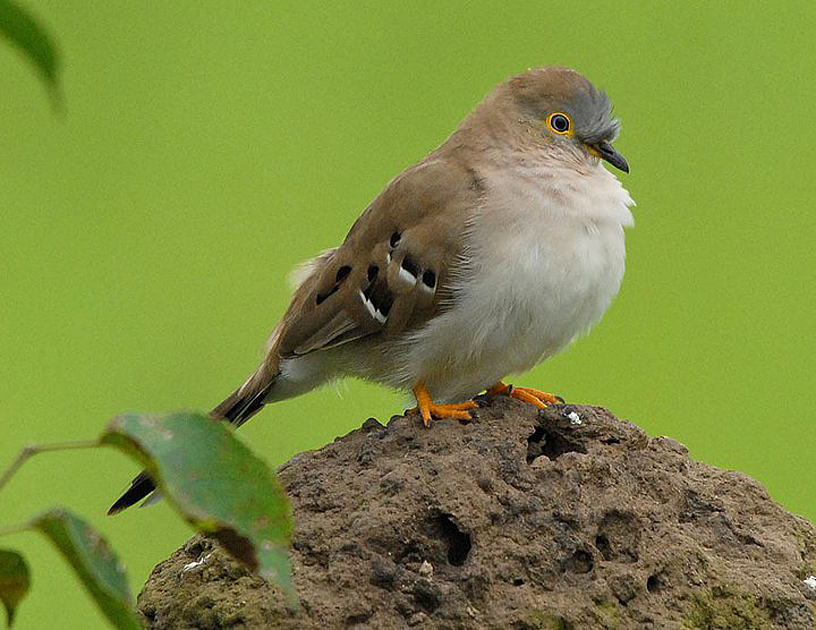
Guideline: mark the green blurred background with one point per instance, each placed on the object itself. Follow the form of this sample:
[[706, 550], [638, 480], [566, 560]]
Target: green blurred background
[[146, 233]]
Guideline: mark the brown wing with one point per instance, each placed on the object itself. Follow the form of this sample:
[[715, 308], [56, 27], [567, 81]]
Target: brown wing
[[394, 269]]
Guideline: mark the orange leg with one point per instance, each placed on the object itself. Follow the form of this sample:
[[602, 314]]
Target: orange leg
[[526, 394], [429, 409]]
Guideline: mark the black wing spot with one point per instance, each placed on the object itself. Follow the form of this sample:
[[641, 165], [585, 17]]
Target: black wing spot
[[373, 270], [380, 297], [395, 239], [429, 279], [409, 266], [341, 275], [321, 297]]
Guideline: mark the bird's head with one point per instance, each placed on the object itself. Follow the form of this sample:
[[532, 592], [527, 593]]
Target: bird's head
[[562, 110]]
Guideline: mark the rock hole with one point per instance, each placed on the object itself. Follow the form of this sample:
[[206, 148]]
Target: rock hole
[[618, 536], [579, 562], [602, 545], [518, 582], [356, 620], [551, 444], [458, 542], [655, 583]]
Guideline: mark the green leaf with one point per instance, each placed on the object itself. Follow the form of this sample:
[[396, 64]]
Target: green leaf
[[216, 484], [14, 581], [94, 562], [33, 40]]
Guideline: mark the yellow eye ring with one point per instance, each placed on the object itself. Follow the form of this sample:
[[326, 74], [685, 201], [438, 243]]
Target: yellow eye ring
[[560, 123]]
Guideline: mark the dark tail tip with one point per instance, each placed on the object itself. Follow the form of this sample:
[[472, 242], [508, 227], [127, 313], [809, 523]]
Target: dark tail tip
[[237, 409], [140, 487], [241, 406]]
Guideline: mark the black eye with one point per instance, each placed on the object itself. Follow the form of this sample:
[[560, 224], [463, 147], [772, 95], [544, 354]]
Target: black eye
[[559, 123]]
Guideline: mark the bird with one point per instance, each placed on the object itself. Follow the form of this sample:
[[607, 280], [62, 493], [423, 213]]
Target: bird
[[488, 256]]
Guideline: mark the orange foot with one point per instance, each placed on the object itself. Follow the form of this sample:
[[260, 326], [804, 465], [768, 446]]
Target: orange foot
[[429, 409], [532, 396]]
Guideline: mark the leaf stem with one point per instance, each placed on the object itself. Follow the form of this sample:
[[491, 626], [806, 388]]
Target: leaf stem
[[14, 529], [34, 449]]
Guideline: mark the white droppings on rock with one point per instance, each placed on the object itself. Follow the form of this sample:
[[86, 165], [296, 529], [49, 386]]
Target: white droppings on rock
[[426, 569], [810, 581], [194, 565], [574, 418]]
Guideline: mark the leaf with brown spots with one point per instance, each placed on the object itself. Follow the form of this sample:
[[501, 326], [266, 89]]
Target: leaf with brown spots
[[216, 483]]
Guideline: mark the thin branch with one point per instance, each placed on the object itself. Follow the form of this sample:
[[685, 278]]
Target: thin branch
[[34, 449]]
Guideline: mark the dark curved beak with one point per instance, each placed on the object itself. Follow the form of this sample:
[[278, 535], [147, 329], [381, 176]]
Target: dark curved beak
[[607, 152]]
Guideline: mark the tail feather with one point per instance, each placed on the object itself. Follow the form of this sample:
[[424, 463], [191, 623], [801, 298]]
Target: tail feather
[[140, 487], [244, 403], [237, 408]]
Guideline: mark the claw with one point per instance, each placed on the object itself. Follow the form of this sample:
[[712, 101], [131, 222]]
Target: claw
[[429, 409], [540, 399]]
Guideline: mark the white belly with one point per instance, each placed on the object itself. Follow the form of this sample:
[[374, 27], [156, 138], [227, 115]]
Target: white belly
[[541, 273]]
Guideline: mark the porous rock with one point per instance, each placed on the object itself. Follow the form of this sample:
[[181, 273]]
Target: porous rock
[[565, 519]]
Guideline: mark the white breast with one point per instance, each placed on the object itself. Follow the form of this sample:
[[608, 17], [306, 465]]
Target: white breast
[[545, 258]]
